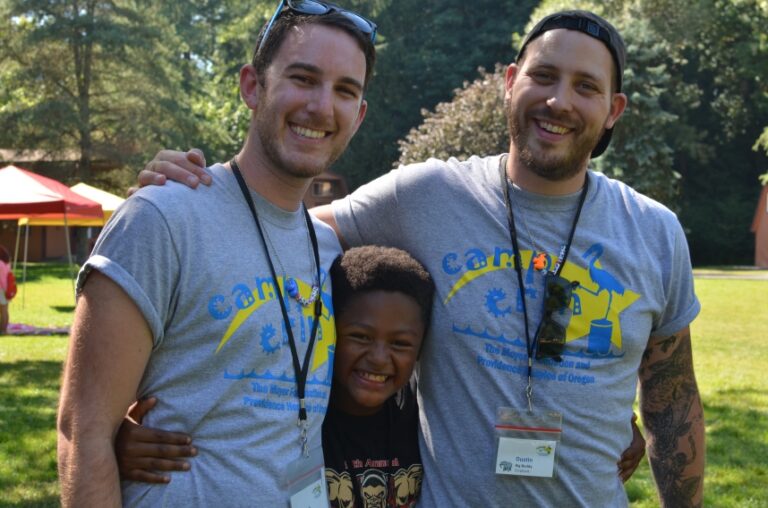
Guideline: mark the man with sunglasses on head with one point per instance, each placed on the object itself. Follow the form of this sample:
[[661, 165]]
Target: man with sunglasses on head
[[222, 311], [558, 289]]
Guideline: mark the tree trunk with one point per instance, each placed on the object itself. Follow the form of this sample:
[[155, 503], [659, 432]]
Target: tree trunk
[[82, 46]]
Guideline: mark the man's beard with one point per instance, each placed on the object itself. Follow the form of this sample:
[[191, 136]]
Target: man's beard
[[271, 146], [551, 167], [275, 149]]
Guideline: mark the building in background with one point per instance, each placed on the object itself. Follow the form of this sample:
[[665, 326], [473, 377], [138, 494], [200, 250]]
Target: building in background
[[326, 187]]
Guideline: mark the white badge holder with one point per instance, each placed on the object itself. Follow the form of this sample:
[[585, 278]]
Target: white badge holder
[[305, 481], [527, 442]]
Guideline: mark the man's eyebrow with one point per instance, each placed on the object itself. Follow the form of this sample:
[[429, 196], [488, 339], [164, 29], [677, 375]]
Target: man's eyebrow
[[583, 74], [314, 69]]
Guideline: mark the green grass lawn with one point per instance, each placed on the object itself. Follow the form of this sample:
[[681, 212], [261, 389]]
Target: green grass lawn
[[30, 368], [48, 298], [730, 357]]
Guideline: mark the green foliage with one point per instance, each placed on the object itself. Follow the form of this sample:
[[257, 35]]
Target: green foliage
[[165, 75], [473, 123], [696, 82], [116, 81], [762, 143], [425, 50], [221, 35], [101, 80], [648, 135]]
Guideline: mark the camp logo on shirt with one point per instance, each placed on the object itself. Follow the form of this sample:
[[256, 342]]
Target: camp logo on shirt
[[270, 388], [593, 332]]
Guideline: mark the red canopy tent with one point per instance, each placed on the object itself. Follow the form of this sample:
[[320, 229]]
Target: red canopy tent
[[27, 194]]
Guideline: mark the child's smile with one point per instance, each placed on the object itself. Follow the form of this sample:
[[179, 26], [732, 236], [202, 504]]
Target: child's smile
[[379, 336]]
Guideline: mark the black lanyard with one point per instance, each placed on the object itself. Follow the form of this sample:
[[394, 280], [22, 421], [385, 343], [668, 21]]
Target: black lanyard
[[301, 370], [563, 255]]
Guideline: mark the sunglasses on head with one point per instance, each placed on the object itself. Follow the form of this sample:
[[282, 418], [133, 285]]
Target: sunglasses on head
[[550, 335], [318, 8]]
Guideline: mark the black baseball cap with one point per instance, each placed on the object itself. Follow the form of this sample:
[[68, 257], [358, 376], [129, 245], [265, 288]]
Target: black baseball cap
[[594, 26]]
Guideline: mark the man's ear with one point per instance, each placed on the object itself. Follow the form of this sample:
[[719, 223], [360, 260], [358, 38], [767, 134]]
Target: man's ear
[[249, 86], [360, 115], [509, 79], [618, 105]]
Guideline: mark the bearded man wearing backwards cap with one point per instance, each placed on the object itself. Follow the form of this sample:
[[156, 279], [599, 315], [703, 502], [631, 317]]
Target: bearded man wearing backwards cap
[[558, 288]]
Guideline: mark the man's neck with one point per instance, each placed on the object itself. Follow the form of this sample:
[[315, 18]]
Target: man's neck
[[529, 181], [283, 191]]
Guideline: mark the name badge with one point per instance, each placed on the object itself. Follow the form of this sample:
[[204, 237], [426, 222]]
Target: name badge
[[527, 442], [311, 496], [305, 481], [526, 457]]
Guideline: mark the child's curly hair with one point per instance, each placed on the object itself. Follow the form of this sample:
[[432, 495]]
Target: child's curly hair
[[372, 268]]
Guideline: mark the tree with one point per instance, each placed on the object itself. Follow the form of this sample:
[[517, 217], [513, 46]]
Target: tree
[[99, 77], [762, 142], [697, 80], [425, 50], [473, 123], [219, 37]]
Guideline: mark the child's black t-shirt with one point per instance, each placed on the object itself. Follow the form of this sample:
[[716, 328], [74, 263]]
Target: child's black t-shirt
[[374, 460]]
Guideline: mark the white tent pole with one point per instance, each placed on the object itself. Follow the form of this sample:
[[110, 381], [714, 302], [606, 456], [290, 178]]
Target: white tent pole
[[16, 250], [69, 255]]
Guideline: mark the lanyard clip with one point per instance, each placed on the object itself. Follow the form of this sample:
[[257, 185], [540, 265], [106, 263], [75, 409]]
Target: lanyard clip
[[303, 430], [529, 395]]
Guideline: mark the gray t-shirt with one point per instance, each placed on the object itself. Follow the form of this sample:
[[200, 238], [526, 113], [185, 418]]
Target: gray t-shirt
[[630, 255], [193, 263]]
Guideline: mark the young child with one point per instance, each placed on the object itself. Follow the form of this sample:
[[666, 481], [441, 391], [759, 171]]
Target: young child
[[5, 269], [382, 300]]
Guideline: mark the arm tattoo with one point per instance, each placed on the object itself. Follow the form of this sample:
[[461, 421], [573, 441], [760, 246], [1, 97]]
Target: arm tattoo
[[671, 408]]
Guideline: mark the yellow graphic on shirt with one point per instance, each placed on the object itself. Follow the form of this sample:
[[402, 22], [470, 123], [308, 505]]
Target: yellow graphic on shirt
[[601, 299], [340, 489], [479, 265], [408, 484], [596, 304], [326, 335]]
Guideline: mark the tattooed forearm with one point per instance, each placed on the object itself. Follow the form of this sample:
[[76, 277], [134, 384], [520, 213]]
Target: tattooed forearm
[[673, 417]]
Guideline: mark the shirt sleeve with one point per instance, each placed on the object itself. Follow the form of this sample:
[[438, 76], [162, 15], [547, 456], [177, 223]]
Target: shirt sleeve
[[370, 214], [137, 251], [682, 306]]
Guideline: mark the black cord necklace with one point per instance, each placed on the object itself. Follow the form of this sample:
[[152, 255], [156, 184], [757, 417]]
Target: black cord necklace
[[562, 256], [300, 369]]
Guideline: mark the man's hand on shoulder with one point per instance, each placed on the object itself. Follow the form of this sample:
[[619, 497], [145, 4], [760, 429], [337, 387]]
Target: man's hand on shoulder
[[183, 167]]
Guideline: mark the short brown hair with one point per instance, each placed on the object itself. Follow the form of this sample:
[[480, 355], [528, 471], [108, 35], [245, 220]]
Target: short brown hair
[[264, 54]]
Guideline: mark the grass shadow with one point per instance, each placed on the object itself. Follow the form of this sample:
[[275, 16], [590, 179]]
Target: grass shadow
[[51, 501], [29, 392], [36, 271], [63, 308]]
